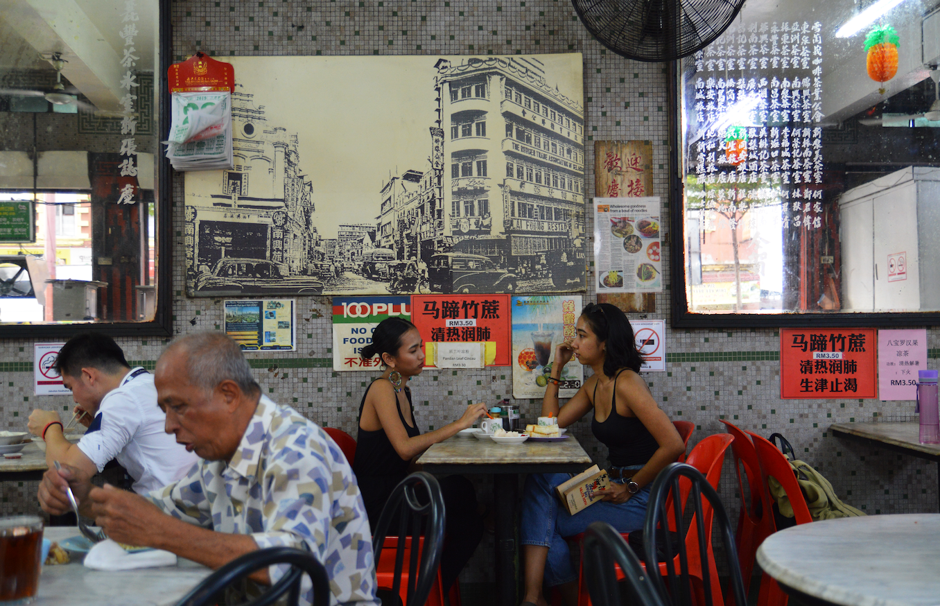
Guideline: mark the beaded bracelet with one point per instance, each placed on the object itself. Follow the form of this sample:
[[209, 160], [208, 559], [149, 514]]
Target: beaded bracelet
[[48, 425], [554, 380]]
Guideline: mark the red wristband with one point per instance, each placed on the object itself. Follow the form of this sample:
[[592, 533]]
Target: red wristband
[[48, 425]]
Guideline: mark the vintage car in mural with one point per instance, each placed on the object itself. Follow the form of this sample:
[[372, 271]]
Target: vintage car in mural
[[376, 262], [466, 273], [260, 277]]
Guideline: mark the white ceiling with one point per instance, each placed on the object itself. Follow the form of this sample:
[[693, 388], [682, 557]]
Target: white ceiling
[[86, 33]]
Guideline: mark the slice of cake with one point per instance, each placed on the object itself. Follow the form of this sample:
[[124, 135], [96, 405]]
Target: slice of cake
[[543, 431]]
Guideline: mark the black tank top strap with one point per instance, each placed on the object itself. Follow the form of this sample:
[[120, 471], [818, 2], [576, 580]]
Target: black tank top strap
[[613, 398]]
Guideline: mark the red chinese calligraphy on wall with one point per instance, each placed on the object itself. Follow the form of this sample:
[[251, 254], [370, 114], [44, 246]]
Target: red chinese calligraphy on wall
[[464, 319], [828, 363]]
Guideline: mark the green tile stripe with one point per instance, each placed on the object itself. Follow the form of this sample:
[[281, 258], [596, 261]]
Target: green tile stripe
[[723, 356], [291, 362], [16, 367]]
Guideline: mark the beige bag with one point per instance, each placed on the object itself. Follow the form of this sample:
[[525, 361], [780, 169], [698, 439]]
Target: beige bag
[[820, 497]]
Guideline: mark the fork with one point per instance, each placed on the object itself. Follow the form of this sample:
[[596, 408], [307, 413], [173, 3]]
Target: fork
[[95, 537]]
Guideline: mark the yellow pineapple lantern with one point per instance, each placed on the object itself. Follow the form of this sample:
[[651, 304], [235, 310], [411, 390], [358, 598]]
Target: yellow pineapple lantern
[[882, 46]]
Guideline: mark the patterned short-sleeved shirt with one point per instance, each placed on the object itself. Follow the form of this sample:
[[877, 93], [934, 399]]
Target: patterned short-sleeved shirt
[[287, 484]]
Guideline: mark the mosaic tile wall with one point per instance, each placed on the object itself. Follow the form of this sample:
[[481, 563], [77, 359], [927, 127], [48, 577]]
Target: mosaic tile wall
[[711, 374]]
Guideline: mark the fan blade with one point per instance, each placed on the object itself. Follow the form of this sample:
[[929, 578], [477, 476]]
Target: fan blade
[[20, 92]]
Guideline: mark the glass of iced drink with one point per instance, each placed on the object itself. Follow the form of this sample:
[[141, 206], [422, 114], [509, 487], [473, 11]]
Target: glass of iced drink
[[20, 558], [542, 342]]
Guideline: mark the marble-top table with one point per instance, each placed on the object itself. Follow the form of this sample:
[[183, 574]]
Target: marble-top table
[[899, 437], [881, 560], [505, 462], [32, 462], [75, 585]]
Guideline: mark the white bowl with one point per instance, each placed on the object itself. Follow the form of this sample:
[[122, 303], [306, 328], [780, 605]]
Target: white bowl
[[8, 448], [510, 439], [12, 437], [469, 433]]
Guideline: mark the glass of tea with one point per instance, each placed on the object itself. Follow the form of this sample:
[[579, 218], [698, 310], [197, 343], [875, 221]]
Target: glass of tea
[[542, 343], [20, 558]]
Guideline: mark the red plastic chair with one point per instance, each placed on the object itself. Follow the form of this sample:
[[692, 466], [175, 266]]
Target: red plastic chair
[[755, 520], [345, 442], [385, 573], [685, 429], [708, 457], [774, 465]]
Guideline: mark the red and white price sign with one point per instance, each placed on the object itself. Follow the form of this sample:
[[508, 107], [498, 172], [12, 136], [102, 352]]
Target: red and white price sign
[[48, 381], [650, 338]]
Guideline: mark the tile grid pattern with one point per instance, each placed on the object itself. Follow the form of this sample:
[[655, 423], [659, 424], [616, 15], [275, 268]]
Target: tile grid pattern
[[711, 374]]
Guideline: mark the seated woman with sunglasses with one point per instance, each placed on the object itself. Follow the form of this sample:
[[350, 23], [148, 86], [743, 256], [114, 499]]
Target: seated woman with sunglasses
[[624, 417], [389, 440]]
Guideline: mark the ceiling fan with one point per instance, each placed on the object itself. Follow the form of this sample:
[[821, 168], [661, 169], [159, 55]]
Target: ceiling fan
[[58, 95], [932, 114]]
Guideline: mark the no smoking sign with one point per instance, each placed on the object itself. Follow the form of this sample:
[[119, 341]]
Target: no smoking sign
[[650, 336]]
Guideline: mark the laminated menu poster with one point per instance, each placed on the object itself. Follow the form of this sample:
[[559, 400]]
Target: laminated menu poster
[[539, 324], [261, 325], [627, 245]]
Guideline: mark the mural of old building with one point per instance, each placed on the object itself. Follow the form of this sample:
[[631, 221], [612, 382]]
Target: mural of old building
[[264, 206], [514, 190]]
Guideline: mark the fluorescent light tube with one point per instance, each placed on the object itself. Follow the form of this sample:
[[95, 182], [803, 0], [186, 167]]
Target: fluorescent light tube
[[866, 17]]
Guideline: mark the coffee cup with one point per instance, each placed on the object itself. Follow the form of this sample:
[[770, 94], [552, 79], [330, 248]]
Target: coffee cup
[[491, 425]]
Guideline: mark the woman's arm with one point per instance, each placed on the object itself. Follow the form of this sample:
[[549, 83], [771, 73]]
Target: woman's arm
[[382, 398], [632, 390], [577, 406]]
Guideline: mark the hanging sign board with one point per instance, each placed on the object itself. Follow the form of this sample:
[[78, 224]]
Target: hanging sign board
[[817, 363]]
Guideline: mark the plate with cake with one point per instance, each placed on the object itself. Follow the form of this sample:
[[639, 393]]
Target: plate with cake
[[545, 430]]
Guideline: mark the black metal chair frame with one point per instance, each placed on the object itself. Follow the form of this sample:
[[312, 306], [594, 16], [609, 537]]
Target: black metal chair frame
[[415, 519], [603, 547], [211, 590], [679, 587]]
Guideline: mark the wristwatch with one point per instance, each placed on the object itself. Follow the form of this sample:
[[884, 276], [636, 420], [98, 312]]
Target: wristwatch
[[632, 487]]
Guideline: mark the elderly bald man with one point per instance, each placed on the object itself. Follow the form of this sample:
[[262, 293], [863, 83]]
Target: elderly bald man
[[268, 477]]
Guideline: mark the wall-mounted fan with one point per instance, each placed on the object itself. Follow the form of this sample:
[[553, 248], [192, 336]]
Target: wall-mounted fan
[[932, 113], [656, 30], [58, 94]]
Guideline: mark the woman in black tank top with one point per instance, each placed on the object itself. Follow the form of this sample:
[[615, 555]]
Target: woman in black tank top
[[640, 438], [390, 440]]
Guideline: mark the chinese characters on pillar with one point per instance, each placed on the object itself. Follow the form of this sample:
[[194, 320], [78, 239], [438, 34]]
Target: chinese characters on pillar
[[817, 363], [758, 105], [129, 86]]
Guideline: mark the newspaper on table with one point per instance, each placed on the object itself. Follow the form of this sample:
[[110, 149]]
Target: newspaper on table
[[200, 136]]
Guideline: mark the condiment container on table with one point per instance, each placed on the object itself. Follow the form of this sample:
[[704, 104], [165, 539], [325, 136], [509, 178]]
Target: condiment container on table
[[927, 407]]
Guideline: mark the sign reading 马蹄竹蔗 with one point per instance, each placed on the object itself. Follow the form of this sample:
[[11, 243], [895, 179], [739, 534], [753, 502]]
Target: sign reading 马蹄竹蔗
[[464, 319], [354, 319], [819, 363], [901, 353]]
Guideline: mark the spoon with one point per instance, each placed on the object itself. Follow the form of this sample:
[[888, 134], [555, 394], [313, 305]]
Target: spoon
[[86, 531]]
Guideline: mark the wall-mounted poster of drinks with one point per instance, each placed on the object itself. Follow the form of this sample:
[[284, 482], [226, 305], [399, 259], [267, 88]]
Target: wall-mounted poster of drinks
[[539, 324], [627, 245]]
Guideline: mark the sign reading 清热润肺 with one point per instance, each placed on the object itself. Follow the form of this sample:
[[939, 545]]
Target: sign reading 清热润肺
[[261, 324], [822, 363], [464, 319], [650, 336], [901, 353], [48, 381], [354, 319], [539, 324], [16, 221]]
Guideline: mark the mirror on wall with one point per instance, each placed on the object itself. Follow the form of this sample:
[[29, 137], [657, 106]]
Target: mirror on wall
[[808, 168], [83, 215]]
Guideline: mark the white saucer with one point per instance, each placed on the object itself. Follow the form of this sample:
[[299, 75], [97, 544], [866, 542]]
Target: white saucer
[[469, 433], [482, 435], [510, 439]]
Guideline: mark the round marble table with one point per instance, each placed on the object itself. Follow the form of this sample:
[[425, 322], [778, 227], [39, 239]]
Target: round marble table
[[880, 560]]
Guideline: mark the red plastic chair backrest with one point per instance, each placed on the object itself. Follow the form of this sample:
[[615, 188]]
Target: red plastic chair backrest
[[345, 442], [685, 429], [708, 457], [745, 455], [774, 465]]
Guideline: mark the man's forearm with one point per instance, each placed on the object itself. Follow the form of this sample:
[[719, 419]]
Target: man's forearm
[[206, 547], [57, 447]]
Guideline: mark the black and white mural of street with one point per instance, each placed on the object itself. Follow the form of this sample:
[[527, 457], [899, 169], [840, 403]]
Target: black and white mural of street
[[376, 175]]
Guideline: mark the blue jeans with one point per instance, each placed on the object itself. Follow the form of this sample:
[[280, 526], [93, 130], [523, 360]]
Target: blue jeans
[[545, 522]]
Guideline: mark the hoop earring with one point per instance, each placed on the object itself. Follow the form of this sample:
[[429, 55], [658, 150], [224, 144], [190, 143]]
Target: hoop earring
[[395, 379]]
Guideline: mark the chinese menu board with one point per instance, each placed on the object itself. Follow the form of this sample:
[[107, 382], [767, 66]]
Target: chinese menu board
[[354, 319], [539, 324], [463, 319], [901, 354], [627, 245], [827, 363], [261, 325], [16, 222]]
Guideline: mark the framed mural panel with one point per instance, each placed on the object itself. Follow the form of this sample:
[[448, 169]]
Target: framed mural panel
[[395, 175]]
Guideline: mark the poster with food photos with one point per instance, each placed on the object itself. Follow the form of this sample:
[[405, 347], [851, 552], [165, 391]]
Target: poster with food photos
[[628, 245], [539, 324]]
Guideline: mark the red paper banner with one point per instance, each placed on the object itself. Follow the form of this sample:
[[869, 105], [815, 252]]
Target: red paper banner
[[828, 363], [464, 319]]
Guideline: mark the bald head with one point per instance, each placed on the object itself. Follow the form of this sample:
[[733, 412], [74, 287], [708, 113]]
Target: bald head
[[206, 359]]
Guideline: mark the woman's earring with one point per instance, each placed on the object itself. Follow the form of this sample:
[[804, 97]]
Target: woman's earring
[[395, 378]]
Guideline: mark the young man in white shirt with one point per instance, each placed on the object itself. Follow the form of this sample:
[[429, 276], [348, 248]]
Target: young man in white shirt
[[118, 404]]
